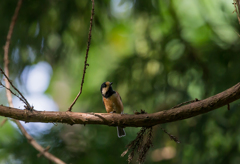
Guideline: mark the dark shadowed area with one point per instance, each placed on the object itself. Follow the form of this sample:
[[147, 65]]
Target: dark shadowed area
[[157, 53]]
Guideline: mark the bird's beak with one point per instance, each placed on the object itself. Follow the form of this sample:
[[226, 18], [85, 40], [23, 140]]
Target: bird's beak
[[111, 83]]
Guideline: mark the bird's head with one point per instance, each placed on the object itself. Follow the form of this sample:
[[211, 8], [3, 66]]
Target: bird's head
[[106, 89]]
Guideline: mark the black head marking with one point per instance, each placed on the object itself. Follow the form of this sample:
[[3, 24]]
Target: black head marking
[[106, 89], [103, 86]]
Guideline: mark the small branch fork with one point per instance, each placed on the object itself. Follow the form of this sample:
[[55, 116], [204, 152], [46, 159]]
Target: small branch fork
[[21, 97], [86, 57]]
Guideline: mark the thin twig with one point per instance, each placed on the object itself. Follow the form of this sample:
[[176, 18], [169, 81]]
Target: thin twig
[[6, 61], [34, 143], [184, 103], [6, 48], [41, 153], [3, 122], [8, 91], [171, 136], [236, 4], [86, 57]]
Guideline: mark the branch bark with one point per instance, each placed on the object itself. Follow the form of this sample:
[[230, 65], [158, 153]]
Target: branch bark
[[141, 120]]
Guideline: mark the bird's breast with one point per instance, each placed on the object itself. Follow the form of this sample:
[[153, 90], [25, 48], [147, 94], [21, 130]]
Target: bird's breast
[[113, 103]]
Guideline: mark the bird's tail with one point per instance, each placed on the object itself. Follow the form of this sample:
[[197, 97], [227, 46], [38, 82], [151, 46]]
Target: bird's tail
[[121, 132]]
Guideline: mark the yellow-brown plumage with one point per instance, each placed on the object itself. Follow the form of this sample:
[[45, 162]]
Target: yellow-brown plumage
[[112, 102]]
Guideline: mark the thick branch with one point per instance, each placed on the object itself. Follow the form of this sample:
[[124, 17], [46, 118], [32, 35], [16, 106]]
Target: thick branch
[[141, 120]]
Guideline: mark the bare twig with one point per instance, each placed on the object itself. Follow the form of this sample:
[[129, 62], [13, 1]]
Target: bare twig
[[6, 61], [22, 98], [41, 153], [171, 136], [37, 146], [7, 89], [6, 49], [7, 82], [184, 103], [236, 4], [3, 122], [86, 57]]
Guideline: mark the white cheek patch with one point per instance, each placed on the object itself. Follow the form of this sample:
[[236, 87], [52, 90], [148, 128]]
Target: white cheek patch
[[104, 90]]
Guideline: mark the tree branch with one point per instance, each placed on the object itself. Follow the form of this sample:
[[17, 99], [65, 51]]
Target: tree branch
[[141, 120], [34, 143], [6, 48], [3, 122], [236, 4], [21, 97], [8, 91]]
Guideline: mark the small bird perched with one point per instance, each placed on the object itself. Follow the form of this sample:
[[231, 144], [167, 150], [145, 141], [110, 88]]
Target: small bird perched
[[112, 102]]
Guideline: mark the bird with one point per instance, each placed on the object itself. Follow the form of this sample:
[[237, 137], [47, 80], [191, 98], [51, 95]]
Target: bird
[[113, 103]]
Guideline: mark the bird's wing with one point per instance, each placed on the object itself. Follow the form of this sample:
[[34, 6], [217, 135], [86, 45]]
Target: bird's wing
[[120, 99], [103, 102], [119, 96]]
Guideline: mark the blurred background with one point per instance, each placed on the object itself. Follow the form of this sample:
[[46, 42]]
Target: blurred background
[[157, 54]]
